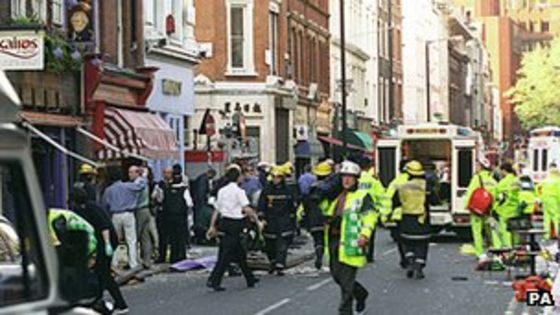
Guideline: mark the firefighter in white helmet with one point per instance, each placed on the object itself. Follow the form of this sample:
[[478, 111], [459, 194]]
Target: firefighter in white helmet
[[350, 219]]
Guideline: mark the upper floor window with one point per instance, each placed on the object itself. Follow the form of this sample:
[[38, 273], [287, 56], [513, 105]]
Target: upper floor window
[[165, 18], [240, 37], [38, 7], [57, 12], [273, 41]]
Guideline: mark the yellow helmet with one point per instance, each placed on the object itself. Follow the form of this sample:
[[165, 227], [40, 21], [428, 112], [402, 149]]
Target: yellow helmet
[[322, 169], [287, 168], [415, 168], [86, 169], [278, 171]]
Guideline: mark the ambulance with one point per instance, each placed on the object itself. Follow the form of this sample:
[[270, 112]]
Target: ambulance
[[448, 153], [543, 150]]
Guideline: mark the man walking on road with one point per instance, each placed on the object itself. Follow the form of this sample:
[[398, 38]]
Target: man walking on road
[[121, 200], [351, 220], [414, 228]]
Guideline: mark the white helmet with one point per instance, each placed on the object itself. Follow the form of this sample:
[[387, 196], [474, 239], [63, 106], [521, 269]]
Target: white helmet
[[350, 168]]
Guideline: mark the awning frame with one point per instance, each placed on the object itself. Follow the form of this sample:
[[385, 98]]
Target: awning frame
[[110, 146]]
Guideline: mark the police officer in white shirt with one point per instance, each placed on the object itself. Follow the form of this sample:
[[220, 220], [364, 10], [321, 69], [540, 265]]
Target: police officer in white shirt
[[232, 206]]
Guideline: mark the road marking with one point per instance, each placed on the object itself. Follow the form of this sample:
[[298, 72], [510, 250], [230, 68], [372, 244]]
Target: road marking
[[273, 307], [390, 251], [318, 285], [512, 306]]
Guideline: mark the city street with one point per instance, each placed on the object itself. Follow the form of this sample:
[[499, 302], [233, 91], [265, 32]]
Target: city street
[[390, 292]]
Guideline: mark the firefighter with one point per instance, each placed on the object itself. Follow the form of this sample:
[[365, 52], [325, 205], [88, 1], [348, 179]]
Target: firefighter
[[550, 197], [394, 214], [369, 182], [507, 198], [482, 178], [313, 206], [86, 180], [414, 228], [277, 205], [350, 219], [527, 194]]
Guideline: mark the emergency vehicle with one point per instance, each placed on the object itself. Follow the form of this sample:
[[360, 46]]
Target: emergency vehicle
[[543, 150], [448, 153], [33, 278]]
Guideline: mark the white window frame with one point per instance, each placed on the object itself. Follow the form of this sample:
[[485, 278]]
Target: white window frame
[[38, 6], [18, 8], [248, 68], [176, 10], [273, 38], [60, 11], [150, 13]]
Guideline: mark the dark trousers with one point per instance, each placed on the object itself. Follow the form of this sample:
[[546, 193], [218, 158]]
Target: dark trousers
[[172, 236], [277, 250], [371, 247], [397, 237], [345, 277], [107, 281], [230, 250], [416, 251], [319, 243]]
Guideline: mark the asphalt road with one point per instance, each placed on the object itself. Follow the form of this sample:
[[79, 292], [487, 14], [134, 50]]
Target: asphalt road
[[451, 287]]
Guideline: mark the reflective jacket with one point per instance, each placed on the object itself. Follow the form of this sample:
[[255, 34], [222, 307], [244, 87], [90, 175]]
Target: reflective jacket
[[387, 200], [488, 182], [373, 187], [65, 220], [507, 195], [527, 194], [550, 193], [413, 199], [358, 218]]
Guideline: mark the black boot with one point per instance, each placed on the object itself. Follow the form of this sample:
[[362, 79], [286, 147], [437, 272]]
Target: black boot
[[420, 273], [319, 260]]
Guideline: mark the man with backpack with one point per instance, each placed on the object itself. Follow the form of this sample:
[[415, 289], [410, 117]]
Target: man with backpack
[[480, 198]]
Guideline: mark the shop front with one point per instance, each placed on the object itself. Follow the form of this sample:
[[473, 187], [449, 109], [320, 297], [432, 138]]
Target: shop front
[[123, 130]]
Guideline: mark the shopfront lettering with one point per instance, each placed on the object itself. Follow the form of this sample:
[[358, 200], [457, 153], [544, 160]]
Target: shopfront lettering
[[21, 50], [171, 87]]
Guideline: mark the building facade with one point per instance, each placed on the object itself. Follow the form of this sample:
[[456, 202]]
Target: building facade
[[279, 83], [425, 36], [390, 79], [172, 48]]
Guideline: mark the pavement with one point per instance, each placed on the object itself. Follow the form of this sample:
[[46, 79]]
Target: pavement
[[451, 287]]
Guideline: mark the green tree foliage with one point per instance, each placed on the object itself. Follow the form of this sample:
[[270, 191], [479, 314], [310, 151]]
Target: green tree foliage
[[537, 91]]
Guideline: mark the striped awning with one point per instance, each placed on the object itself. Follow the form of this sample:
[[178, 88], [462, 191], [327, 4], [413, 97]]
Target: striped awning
[[140, 133]]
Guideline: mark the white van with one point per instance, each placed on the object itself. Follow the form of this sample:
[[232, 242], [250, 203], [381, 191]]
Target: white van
[[452, 152]]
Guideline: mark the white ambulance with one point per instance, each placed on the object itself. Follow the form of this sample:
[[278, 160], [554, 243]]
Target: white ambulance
[[543, 150], [448, 152]]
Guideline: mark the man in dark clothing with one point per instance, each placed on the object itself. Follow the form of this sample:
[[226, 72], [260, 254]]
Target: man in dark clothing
[[314, 205], [200, 191], [86, 180], [263, 168], [106, 241], [277, 204], [175, 202]]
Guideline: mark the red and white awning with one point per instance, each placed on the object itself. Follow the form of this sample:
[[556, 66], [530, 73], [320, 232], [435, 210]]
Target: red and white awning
[[138, 133]]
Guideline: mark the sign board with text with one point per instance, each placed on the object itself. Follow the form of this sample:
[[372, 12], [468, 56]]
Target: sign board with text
[[21, 50]]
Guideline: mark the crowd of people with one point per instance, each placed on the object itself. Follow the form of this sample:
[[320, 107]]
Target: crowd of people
[[263, 207]]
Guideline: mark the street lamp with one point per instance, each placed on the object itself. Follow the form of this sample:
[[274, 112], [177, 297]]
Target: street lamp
[[427, 52], [343, 77]]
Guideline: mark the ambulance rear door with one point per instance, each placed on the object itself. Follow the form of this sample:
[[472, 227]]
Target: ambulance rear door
[[463, 166], [388, 157]]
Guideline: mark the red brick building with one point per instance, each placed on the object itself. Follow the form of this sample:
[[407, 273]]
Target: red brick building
[[277, 82]]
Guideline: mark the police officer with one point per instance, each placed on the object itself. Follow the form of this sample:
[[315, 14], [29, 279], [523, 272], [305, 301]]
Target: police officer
[[482, 178], [550, 197], [507, 195], [351, 219], [369, 182], [277, 205], [313, 206], [414, 229], [393, 213], [175, 201]]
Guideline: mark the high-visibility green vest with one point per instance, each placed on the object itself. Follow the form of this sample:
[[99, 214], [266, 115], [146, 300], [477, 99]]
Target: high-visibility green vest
[[387, 199], [356, 221], [73, 223], [550, 193], [373, 187], [413, 197], [507, 193]]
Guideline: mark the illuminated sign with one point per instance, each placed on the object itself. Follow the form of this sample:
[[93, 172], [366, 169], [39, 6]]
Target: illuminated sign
[[21, 50]]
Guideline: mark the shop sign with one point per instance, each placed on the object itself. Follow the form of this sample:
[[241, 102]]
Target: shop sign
[[171, 87], [21, 50]]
